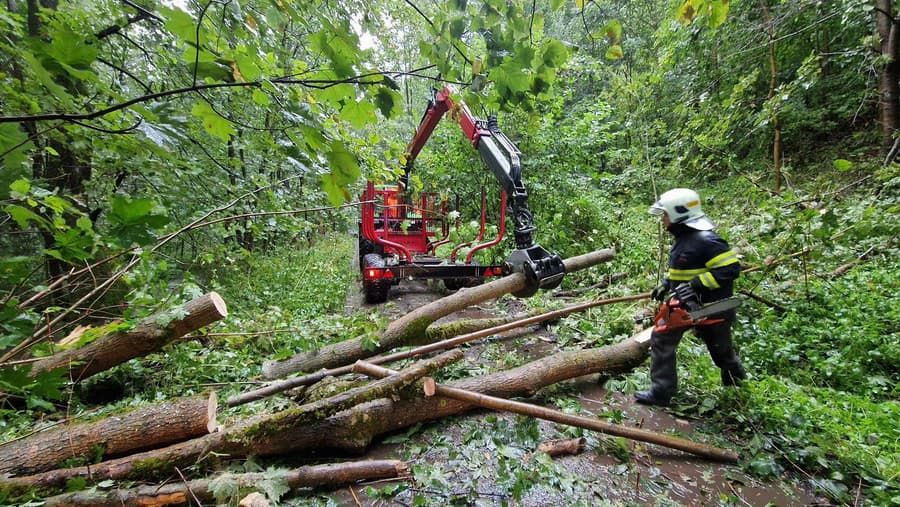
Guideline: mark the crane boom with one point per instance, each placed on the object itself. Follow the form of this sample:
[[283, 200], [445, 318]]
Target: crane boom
[[542, 269]]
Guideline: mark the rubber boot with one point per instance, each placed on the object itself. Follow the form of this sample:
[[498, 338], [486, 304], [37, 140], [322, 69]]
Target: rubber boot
[[717, 338], [663, 376]]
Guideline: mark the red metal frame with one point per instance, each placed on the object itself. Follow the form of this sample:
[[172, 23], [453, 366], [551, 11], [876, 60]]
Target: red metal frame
[[401, 228]]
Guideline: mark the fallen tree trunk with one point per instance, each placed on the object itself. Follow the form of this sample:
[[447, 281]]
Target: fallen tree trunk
[[147, 427], [353, 430], [259, 435], [590, 423], [412, 326], [149, 335], [312, 378], [330, 475]]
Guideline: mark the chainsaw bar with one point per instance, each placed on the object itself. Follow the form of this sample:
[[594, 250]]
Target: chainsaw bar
[[723, 305]]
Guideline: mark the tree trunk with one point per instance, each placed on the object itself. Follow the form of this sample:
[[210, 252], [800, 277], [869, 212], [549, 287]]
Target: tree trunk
[[773, 86], [411, 328], [352, 430], [889, 85], [146, 337], [448, 343], [330, 476], [592, 423], [117, 435]]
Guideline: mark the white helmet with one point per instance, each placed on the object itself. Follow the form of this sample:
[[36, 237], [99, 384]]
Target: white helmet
[[682, 205]]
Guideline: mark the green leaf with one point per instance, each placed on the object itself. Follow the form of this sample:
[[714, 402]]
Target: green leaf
[[23, 216], [313, 138], [359, 114], [15, 145], [555, 54], [127, 211], [275, 485], [686, 13], [344, 164], [842, 165], [613, 31], [718, 12], [261, 98], [388, 101], [556, 4], [181, 24], [19, 188], [344, 171], [213, 123], [248, 68], [47, 80], [511, 76], [614, 52]]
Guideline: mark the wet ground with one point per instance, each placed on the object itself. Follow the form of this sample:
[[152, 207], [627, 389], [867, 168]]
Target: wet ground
[[487, 458]]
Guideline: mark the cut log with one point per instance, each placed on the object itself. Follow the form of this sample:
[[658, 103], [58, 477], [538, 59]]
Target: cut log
[[329, 476], [412, 326], [312, 378], [147, 427], [148, 336], [353, 430], [261, 435], [549, 414], [561, 446]]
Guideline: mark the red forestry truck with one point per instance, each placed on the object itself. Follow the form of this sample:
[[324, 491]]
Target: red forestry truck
[[399, 237]]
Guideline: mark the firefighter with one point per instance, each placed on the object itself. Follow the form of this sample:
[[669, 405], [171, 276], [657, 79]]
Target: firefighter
[[702, 269]]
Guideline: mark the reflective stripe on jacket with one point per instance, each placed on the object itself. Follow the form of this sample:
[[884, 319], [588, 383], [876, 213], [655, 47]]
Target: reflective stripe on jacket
[[703, 259]]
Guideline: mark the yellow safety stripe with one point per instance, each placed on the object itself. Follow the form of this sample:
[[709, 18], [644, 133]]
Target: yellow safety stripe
[[709, 281], [724, 259], [683, 275]]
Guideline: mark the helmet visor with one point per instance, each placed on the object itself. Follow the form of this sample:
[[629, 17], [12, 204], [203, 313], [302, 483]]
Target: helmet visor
[[656, 209], [701, 224]]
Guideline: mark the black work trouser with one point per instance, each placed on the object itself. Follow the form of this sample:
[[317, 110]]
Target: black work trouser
[[717, 337]]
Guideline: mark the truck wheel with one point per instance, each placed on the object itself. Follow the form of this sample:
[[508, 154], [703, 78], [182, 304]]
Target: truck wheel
[[365, 247], [375, 291], [454, 283]]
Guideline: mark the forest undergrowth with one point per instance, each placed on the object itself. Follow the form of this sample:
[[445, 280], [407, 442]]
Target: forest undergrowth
[[817, 331]]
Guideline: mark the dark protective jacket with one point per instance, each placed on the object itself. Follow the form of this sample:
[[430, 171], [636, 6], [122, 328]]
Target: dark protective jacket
[[703, 259]]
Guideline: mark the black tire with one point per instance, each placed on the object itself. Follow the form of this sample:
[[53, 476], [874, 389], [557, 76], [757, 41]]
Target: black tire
[[375, 291], [454, 283], [365, 247]]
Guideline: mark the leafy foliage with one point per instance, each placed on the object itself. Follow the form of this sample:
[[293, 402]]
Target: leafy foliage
[[152, 155]]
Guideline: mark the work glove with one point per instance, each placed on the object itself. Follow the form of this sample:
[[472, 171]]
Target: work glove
[[686, 295], [660, 291]]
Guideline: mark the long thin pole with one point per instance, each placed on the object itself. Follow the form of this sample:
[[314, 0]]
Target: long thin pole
[[312, 378], [483, 400]]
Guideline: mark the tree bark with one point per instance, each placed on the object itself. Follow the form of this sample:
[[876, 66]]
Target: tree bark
[[561, 446], [330, 475], [889, 80], [259, 435], [147, 427], [591, 423], [352, 430], [146, 337], [411, 328], [773, 86], [448, 343]]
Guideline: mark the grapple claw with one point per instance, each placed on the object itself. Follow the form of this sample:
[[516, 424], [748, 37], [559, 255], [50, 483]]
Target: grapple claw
[[542, 269]]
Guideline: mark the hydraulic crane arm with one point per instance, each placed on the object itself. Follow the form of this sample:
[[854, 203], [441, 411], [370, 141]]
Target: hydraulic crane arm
[[542, 269]]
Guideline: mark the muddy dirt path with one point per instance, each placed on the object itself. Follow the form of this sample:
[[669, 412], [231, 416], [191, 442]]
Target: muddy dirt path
[[458, 460]]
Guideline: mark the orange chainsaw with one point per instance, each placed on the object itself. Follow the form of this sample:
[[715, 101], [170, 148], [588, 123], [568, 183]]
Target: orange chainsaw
[[676, 315]]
